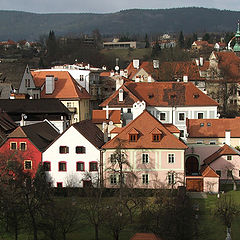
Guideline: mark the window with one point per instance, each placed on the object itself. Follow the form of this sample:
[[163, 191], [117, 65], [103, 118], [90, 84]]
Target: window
[[27, 165], [47, 166], [132, 137], [145, 158], [181, 116], [27, 83], [162, 116], [201, 124], [171, 158], [22, 146], [129, 110], [200, 115], [199, 142], [171, 178], [113, 179], [181, 133], [219, 173], [239, 173], [229, 173], [212, 142], [13, 146], [80, 149], [93, 166], [81, 77], [145, 179], [209, 124], [63, 149], [59, 184], [62, 166], [69, 104], [80, 166], [156, 137], [229, 157]]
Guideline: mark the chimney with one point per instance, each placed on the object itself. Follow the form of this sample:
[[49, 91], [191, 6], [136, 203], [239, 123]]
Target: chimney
[[137, 79], [49, 84], [105, 131], [185, 78], [228, 137], [201, 61], [149, 78], [136, 63], [138, 108], [120, 95], [197, 62]]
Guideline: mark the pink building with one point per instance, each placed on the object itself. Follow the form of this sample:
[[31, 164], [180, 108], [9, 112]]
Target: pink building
[[152, 153]]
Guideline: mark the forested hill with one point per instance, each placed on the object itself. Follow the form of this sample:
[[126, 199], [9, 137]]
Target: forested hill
[[22, 25]]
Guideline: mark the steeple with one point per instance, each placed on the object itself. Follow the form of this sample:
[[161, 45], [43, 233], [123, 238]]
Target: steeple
[[236, 47]]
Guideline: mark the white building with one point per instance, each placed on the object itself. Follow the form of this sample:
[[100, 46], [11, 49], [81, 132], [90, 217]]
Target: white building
[[169, 102], [74, 158]]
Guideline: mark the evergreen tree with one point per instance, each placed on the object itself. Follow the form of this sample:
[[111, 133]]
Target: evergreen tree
[[147, 44], [206, 37], [156, 49], [181, 40], [52, 47]]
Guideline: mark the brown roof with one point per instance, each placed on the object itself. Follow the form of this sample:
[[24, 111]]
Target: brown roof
[[199, 128], [201, 43], [207, 171], [172, 128], [174, 70], [91, 132], [40, 134], [162, 94], [144, 126], [145, 236], [99, 116], [66, 87], [225, 150]]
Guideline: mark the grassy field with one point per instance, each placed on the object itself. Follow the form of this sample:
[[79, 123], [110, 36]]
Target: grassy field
[[209, 226]]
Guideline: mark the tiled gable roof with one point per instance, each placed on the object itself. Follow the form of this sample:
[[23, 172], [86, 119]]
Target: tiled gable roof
[[177, 70], [172, 128], [213, 128], [128, 98], [66, 87], [40, 134], [201, 43], [144, 124], [99, 116], [91, 132], [207, 171], [225, 150], [161, 94]]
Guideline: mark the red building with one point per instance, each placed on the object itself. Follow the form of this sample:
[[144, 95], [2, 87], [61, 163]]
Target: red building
[[27, 143]]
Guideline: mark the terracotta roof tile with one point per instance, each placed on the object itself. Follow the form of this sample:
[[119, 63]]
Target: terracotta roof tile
[[66, 87], [145, 236], [172, 128], [99, 116], [214, 128], [225, 150], [144, 124], [207, 171]]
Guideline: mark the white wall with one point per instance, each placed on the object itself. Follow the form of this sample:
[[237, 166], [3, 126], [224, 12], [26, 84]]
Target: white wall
[[71, 138]]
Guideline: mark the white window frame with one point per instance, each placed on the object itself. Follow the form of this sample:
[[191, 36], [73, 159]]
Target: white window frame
[[171, 158], [212, 142], [202, 115], [164, 119], [25, 165], [229, 157], [113, 179], [171, 178], [145, 158], [184, 114]]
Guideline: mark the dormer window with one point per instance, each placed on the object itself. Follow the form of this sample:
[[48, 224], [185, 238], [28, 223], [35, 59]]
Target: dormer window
[[133, 135], [156, 135]]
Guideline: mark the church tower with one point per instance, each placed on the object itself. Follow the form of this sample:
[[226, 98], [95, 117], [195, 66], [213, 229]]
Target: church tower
[[236, 47]]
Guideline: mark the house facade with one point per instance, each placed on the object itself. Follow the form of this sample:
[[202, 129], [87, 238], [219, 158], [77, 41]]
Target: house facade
[[152, 156], [74, 158], [27, 143], [169, 102]]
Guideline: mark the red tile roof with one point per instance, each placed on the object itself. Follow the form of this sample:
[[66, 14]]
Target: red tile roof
[[177, 70], [225, 150], [160, 94], [172, 128], [66, 87], [145, 236], [205, 66], [144, 125], [213, 128], [207, 171], [201, 43], [99, 116]]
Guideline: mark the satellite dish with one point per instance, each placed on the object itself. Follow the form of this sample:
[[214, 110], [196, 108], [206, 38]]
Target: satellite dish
[[116, 68]]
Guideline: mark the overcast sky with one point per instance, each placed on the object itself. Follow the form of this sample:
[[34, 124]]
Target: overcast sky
[[106, 6]]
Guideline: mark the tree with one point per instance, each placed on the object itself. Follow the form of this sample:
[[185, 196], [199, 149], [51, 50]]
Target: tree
[[147, 44], [226, 209], [206, 37], [52, 47], [181, 40], [156, 49]]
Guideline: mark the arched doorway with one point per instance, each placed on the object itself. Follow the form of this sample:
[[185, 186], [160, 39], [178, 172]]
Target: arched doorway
[[192, 165]]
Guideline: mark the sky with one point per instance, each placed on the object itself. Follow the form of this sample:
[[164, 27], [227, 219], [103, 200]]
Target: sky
[[108, 6]]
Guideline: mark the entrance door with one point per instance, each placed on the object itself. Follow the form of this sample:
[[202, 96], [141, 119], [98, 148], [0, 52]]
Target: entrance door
[[192, 166], [194, 185]]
